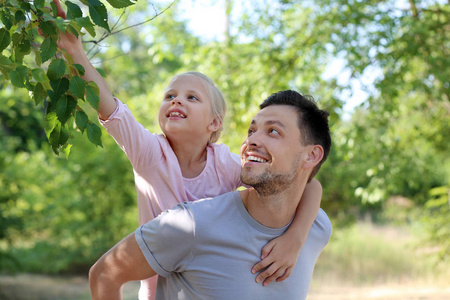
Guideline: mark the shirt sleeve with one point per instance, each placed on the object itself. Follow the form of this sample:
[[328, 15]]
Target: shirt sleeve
[[228, 165], [167, 241], [141, 146]]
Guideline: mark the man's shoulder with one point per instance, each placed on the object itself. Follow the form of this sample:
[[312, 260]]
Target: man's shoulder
[[208, 206], [211, 202], [322, 226]]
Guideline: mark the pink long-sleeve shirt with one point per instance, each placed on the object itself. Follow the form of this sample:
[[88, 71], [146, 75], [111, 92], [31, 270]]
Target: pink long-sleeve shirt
[[158, 179]]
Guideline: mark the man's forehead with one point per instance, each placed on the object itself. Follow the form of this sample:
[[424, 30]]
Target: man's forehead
[[283, 115]]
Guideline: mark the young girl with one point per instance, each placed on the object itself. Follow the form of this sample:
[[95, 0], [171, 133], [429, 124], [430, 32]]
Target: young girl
[[185, 164]]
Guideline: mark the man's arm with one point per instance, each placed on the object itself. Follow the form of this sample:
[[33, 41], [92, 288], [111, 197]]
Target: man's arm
[[74, 47], [123, 263]]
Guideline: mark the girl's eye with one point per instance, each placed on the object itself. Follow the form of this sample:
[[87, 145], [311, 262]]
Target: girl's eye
[[169, 97], [193, 98]]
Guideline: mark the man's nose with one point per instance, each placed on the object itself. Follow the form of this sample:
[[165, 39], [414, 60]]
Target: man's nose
[[253, 140]]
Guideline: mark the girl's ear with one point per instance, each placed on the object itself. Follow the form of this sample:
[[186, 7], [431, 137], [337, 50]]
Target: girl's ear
[[315, 155], [215, 125]]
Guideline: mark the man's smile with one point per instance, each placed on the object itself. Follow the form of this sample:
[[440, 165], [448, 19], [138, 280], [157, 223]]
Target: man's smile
[[255, 159]]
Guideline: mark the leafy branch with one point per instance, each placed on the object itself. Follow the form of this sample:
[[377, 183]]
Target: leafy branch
[[30, 59], [106, 34]]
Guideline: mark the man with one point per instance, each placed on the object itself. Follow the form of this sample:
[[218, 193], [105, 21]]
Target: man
[[204, 249]]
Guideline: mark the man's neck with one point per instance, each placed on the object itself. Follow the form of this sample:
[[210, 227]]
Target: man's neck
[[273, 211]]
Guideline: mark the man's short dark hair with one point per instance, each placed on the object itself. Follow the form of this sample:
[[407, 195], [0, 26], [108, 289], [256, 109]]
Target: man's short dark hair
[[312, 121]]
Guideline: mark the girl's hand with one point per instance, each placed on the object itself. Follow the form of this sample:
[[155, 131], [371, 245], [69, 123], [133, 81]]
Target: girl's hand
[[61, 12], [279, 256], [67, 41]]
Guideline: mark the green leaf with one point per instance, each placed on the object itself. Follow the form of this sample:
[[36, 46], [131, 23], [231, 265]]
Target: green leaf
[[18, 76], [92, 95], [439, 191], [56, 69], [16, 79], [120, 3], [5, 61], [25, 46], [58, 137], [20, 16], [80, 69], [60, 24], [48, 49], [5, 39], [87, 24], [50, 121], [59, 87], [23, 70], [94, 134], [81, 119], [29, 85], [39, 75], [54, 9], [77, 87], [102, 72], [98, 14], [37, 56], [73, 10], [66, 150], [48, 29], [22, 49], [6, 66], [25, 6], [65, 107], [39, 93], [73, 29], [39, 3], [84, 22], [7, 18]]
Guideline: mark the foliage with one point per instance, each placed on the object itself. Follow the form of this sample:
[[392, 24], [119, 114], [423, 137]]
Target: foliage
[[58, 215], [437, 220], [34, 62], [401, 125]]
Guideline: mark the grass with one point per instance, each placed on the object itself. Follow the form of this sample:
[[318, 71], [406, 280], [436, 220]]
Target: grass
[[366, 255]]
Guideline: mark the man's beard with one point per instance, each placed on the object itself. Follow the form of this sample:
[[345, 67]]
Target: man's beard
[[268, 183]]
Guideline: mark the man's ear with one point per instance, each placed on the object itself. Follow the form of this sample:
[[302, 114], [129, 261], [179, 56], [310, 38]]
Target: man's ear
[[215, 125], [315, 155]]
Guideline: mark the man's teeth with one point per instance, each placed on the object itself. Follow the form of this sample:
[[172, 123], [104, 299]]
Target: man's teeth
[[176, 114], [254, 158]]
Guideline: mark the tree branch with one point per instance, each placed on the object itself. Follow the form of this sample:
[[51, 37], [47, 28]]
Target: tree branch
[[414, 8], [105, 35]]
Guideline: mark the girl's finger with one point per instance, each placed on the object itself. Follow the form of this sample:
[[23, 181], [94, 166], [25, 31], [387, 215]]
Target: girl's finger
[[61, 12]]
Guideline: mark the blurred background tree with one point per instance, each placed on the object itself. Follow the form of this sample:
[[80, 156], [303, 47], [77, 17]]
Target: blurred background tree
[[60, 215]]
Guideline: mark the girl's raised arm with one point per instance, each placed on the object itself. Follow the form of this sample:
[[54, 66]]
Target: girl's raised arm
[[73, 46]]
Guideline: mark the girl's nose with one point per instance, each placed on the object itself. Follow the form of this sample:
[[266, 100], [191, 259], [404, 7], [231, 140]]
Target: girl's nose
[[177, 100]]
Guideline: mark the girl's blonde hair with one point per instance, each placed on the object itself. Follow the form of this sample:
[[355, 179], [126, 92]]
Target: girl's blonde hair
[[218, 105]]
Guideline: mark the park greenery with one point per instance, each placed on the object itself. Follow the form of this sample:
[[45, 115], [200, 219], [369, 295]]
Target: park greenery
[[66, 190]]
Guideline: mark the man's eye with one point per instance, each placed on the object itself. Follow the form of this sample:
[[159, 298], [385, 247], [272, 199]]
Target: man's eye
[[274, 131], [250, 132]]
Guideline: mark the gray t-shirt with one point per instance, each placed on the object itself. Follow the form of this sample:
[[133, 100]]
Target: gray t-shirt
[[205, 250]]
